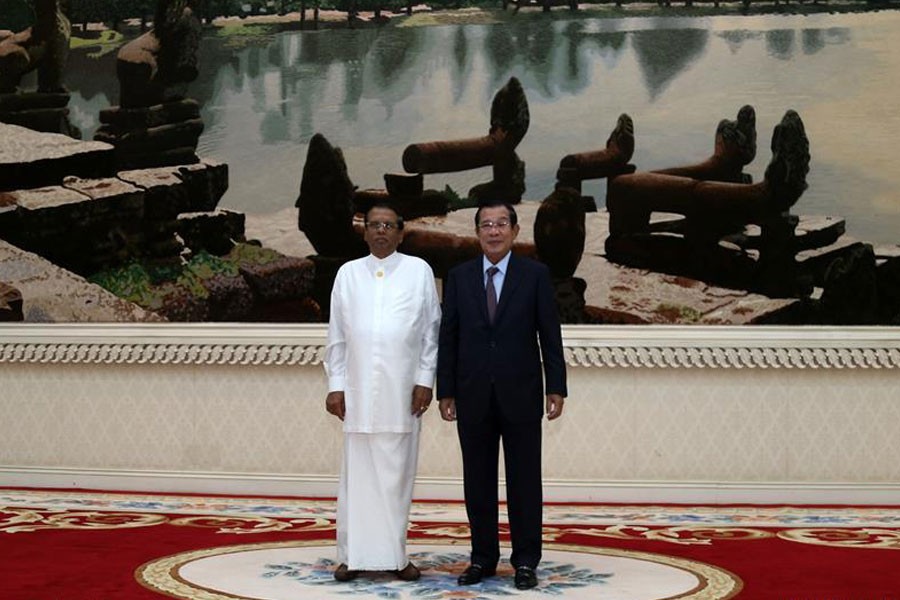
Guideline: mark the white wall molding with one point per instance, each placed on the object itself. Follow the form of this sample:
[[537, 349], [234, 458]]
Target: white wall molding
[[585, 346], [450, 488]]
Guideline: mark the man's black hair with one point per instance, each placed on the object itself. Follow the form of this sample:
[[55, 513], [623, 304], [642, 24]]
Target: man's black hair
[[513, 217], [387, 206]]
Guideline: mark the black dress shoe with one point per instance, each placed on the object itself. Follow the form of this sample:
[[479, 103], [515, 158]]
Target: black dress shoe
[[526, 578], [474, 574]]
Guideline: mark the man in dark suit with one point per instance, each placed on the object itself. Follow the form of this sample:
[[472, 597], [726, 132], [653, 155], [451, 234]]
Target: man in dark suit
[[489, 380]]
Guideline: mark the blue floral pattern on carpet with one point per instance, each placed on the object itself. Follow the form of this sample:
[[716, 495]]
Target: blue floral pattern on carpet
[[438, 581]]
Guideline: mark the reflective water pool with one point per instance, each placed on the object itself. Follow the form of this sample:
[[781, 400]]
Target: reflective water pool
[[374, 91]]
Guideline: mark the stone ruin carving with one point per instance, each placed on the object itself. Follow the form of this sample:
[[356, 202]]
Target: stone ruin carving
[[154, 67], [325, 215], [735, 148], [152, 237], [155, 124], [728, 231], [30, 159], [328, 199], [10, 304], [712, 210], [559, 234], [599, 164], [43, 47], [325, 204], [509, 124], [406, 193]]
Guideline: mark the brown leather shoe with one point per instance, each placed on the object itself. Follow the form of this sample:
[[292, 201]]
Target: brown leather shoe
[[343, 574], [409, 573]]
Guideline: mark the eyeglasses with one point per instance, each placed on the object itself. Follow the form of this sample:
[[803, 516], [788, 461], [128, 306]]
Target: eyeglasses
[[501, 224], [380, 226]]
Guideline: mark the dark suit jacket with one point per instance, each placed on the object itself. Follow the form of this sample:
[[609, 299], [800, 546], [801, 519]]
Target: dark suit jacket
[[473, 354]]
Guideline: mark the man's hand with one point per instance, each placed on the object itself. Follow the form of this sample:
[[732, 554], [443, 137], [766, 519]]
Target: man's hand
[[421, 398], [334, 404], [448, 409], [554, 406]]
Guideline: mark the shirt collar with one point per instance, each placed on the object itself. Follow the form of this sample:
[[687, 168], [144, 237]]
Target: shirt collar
[[501, 265], [387, 263]]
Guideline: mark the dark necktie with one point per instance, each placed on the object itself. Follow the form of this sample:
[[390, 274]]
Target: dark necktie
[[491, 293]]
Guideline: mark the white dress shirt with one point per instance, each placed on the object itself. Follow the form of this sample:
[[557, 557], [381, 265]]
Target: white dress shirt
[[382, 340], [499, 276]]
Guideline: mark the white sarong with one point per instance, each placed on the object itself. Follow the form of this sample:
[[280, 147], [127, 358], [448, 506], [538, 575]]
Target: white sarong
[[374, 497]]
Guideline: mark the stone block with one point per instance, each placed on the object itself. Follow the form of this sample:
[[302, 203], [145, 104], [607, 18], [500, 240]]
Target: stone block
[[230, 297], [177, 303], [401, 185], [137, 159], [812, 231], [153, 139], [48, 120], [32, 100], [9, 218], [54, 295], [815, 262], [127, 119], [32, 159], [10, 304], [207, 182], [215, 232], [48, 211], [83, 226], [165, 193], [850, 288], [432, 202], [172, 190], [271, 275], [888, 281], [111, 196], [363, 200], [303, 310], [79, 205]]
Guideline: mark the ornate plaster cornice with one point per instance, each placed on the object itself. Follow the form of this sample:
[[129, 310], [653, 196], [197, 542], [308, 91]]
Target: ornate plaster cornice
[[186, 344], [585, 346], [733, 347]]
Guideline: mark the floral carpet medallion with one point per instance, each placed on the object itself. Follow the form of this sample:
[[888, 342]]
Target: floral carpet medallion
[[147, 546], [289, 570]]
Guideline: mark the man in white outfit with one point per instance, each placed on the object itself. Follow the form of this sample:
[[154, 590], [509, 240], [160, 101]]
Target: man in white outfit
[[380, 360]]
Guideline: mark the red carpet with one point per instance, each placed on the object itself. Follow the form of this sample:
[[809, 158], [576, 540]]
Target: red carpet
[[89, 545]]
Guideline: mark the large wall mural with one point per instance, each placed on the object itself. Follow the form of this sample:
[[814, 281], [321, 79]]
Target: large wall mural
[[727, 169]]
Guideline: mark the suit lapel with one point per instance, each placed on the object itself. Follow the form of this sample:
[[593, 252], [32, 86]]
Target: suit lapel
[[476, 279], [511, 281]]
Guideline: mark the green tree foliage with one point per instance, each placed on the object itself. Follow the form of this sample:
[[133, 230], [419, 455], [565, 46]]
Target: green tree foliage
[[110, 13], [15, 15]]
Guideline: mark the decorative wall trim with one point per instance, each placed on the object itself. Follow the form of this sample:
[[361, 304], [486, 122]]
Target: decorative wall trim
[[185, 344], [450, 488], [731, 347], [586, 346]]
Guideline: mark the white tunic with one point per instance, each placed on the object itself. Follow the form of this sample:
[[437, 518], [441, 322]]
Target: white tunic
[[382, 340]]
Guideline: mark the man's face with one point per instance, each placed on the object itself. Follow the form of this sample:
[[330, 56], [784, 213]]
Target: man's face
[[383, 233], [495, 232]]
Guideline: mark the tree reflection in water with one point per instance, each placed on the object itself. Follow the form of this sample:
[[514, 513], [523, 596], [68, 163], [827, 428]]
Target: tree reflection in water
[[373, 91]]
